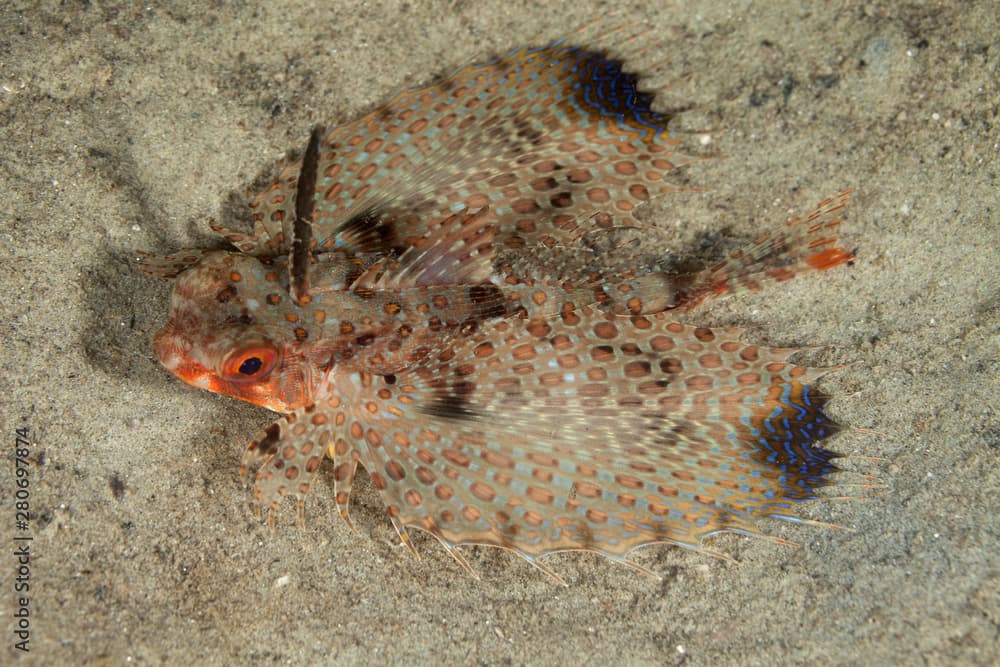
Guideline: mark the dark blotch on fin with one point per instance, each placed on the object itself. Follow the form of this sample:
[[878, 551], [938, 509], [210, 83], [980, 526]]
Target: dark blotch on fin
[[450, 406], [268, 445], [614, 93], [488, 300], [370, 232], [528, 132], [786, 433]]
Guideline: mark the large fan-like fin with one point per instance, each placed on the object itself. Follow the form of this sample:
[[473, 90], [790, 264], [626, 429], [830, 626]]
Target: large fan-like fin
[[604, 434], [556, 141], [593, 433]]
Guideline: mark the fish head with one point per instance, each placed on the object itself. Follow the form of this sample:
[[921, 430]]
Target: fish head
[[234, 330]]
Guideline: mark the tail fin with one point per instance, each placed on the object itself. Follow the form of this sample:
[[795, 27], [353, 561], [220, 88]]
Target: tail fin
[[803, 245]]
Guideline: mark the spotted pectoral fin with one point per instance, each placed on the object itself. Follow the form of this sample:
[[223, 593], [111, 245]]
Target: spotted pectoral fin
[[562, 138], [803, 245], [287, 455], [596, 433]]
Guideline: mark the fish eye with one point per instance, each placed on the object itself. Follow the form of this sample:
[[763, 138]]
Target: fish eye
[[250, 366], [249, 363]]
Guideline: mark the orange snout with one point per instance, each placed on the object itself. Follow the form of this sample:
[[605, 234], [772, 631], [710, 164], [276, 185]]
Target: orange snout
[[282, 390]]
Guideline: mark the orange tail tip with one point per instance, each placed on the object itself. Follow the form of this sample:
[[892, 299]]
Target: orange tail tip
[[805, 244], [830, 258]]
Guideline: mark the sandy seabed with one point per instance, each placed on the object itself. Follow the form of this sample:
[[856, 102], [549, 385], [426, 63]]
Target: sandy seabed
[[127, 125]]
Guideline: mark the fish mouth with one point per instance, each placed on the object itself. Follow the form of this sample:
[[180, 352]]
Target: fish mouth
[[172, 349]]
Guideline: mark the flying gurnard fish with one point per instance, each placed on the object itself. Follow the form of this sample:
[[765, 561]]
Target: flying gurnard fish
[[420, 296]]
